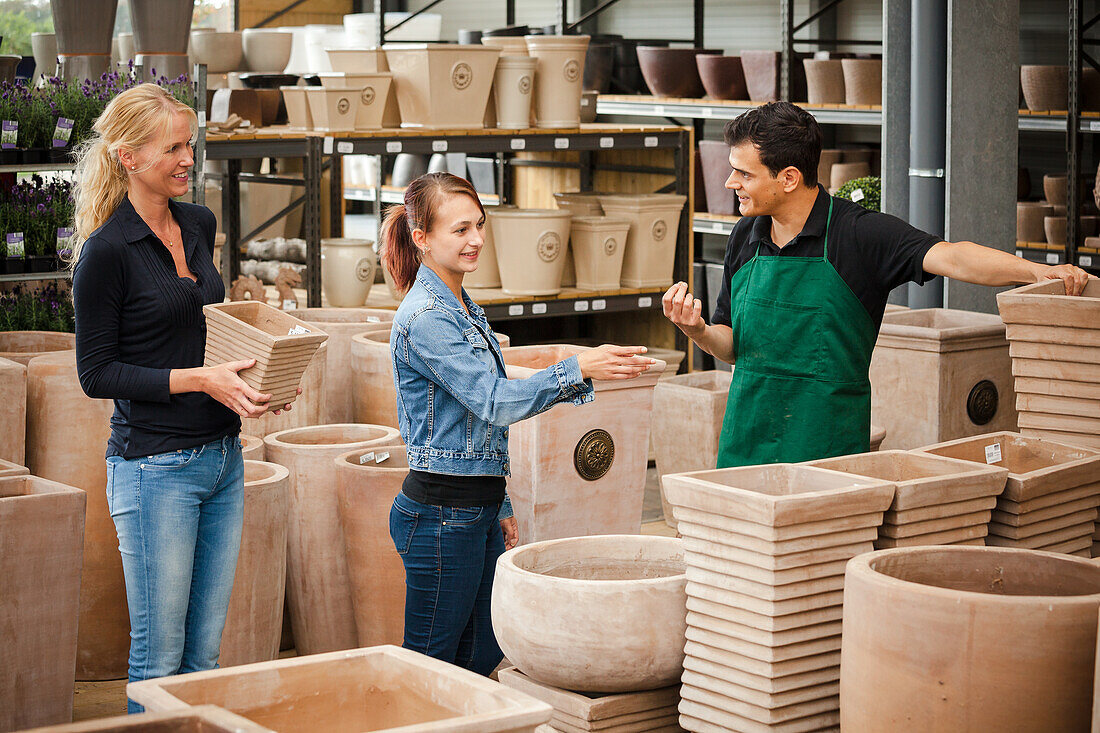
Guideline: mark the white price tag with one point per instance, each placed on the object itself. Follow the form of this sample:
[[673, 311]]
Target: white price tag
[[289, 305], [857, 195], [718, 227], [518, 143], [993, 453], [650, 141], [538, 309], [373, 319], [202, 118], [439, 146], [1052, 258], [607, 142], [659, 110], [599, 305], [1085, 260], [708, 112], [645, 302], [1094, 125], [515, 310], [326, 145], [381, 457], [366, 458], [580, 306], [345, 148], [1019, 253], [393, 146], [298, 331], [561, 143]]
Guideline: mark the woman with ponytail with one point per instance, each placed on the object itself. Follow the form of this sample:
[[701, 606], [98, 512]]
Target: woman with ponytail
[[142, 270], [452, 519]]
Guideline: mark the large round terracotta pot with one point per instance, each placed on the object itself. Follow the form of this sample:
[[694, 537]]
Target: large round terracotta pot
[[13, 411], [722, 76], [22, 346], [968, 638], [161, 26], [66, 436], [254, 624], [347, 270], [308, 409], [595, 614], [341, 324], [1045, 87], [367, 482], [83, 29], [824, 81], [318, 587]]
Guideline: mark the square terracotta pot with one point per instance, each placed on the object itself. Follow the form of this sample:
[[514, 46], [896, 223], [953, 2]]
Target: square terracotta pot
[[1046, 304], [774, 686], [373, 88], [201, 719], [333, 110], [254, 330], [939, 511], [42, 526], [376, 688], [939, 374], [7, 469], [651, 244], [442, 86], [760, 637], [297, 108]]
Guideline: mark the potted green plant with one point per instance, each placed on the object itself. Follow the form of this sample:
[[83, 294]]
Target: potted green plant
[[865, 191]]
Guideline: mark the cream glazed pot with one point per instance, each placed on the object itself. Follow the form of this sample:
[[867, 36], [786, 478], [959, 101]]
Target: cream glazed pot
[[598, 243], [530, 248], [487, 274], [512, 87], [559, 79], [347, 270]]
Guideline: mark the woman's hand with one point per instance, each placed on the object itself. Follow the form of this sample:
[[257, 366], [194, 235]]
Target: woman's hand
[[226, 386], [511, 532], [614, 362]]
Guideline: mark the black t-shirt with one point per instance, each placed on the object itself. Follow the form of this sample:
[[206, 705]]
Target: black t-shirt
[[873, 253], [441, 489]]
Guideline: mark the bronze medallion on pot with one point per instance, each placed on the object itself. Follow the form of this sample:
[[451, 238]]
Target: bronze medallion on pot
[[981, 404], [571, 71], [343, 105], [660, 229], [609, 246], [461, 75], [367, 95], [549, 246], [524, 84], [594, 454]]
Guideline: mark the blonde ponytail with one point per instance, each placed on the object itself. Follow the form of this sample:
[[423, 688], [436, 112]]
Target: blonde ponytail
[[133, 119]]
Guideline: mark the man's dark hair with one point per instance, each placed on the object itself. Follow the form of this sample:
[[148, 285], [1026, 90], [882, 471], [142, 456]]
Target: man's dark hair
[[785, 134]]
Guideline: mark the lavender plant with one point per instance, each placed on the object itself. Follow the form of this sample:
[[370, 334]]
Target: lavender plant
[[40, 309]]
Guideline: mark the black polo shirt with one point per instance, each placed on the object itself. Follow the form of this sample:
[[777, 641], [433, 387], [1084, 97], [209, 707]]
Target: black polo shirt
[[873, 253], [136, 321]]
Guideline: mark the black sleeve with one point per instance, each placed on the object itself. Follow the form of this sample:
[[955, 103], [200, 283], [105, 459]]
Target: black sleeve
[[896, 247], [722, 315]]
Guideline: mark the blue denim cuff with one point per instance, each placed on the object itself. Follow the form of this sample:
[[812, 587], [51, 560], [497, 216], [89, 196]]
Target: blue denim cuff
[[505, 509], [571, 382]]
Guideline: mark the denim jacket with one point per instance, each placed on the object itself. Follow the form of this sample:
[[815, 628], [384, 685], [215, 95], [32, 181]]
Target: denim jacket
[[454, 400]]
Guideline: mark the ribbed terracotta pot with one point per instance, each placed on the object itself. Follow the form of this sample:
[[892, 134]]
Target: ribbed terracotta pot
[[862, 81], [1009, 634], [13, 411], [1045, 87], [559, 77], [161, 26], [318, 586], [22, 346], [651, 245], [307, 409], [672, 72], [715, 159], [347, 270], [83, 29], [513, 85], [722, 76], [487, 274], [598, 244], [531, 250], [252, 447], [367, 482], [341, 324], [42, 526], [550, 601], [57, 406], [824, 81], [1029, 221], [254, 624]]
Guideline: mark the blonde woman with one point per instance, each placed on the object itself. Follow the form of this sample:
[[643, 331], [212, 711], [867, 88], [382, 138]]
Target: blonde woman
[[142, 271]]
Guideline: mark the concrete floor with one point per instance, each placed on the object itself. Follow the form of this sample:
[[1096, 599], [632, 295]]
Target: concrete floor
[[104, 699]]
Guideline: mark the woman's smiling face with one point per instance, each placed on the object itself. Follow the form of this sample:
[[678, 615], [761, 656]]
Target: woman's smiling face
[[457, 235], [163, 166]]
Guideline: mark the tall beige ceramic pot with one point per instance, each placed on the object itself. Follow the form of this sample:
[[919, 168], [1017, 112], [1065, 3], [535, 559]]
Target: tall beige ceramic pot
[[598, 243], [341, 324], [42, 531], [968, 638], [651, 245], [254, 624], [487, 274], [347, 270], [22, 346], [13, 411], [318, 587], [559, 79], [530, 245], [367, 482], [308, 409], [66, 436], [512, 89]]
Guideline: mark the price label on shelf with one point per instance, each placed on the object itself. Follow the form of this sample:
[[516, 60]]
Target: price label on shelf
[[659, 110], [650, 141], [326, 145], [1052, 258], [599, 304], [708, 112], [394, 146], [1085, 260], [580, 306], [561, 143], [518, 143], [345, 147], [645, 302], [718, 227], [607, 142], [1019, 253], [1094, 125], [515, 310], [538, 309], [439, 146]]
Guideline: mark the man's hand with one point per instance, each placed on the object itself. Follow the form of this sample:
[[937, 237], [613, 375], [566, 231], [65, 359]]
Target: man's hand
[[684, 310], [1074, 278]]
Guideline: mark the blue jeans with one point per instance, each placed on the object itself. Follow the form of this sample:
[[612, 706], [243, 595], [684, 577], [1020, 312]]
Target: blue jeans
[[178, 516], [450, 555]]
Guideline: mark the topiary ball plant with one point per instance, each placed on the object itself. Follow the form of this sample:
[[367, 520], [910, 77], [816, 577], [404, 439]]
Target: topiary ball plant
[[866, 191]]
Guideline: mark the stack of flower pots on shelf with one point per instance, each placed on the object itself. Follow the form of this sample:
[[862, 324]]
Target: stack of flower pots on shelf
[[348, 101], [1055, 346], [651, 244], [766, 548]]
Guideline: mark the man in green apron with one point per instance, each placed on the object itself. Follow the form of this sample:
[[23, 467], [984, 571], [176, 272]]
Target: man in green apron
[[805, 285]]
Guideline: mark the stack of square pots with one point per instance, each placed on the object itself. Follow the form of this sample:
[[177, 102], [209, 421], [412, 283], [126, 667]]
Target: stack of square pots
[[938, 500], [1055, 346], [939, 374], [651, 244], [1050, 498], [765, 548]]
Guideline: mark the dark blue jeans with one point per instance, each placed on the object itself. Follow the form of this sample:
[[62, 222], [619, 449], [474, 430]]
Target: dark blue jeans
[[450, 555]]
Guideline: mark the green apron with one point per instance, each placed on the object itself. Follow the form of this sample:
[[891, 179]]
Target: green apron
[[803, 343]]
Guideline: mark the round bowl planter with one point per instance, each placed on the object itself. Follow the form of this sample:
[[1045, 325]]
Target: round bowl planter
[[824, 81], [560, 75], [22, 346], [318, 587], [252, 447], [1055, 229], [968, 638], [221, 52], [672, 72], [266, 49], [531, 253], [367, 482], [347, 270], [254, 624], [512, 86], [862, 81], [1045, 87], [598, 244], [1054, 188], [552, 601], [723, 77], [1029, 220], [487, 274]]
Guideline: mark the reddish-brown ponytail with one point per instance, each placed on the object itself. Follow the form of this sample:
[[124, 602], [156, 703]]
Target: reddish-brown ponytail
[[422, 198]]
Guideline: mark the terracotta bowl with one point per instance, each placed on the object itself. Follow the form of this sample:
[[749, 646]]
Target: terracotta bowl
[[1055, 228], [1045, 87], [672, 72], [1054, 188], [1029, 220], [722, 76]]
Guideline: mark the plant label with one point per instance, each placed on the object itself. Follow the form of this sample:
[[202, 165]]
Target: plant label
[[379, 458], [62, 132], [298, 331], [366, 458], [857, 195], [64, 241], [9, 134], [16, 247], [289, 305], [993, 453]]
